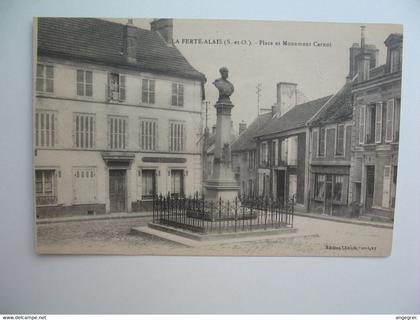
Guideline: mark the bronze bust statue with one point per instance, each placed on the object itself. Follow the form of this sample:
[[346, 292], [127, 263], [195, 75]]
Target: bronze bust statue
[[224, 86]]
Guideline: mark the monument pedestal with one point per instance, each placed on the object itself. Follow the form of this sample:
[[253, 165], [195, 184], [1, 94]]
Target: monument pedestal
[[222, 184]]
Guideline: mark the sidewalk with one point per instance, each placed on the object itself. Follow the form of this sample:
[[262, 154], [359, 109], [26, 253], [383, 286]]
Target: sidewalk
[[107, 216], [358, 221], [149, 214]]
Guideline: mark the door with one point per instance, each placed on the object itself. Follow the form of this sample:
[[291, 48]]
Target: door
[[370, 185], [281, 185], [117, 190], [292, 186], [328, 195], [386, 187]]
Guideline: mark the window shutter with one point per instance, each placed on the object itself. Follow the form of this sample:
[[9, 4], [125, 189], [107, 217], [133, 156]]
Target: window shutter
[[315, 143], [184, 138], [89, 83], [389, 120], [174, 94], [152, 91], [362, 112], [181, 95], [109, 132], [125, 144], [108, 89], [144, 91], [378, 123], [122, 87]]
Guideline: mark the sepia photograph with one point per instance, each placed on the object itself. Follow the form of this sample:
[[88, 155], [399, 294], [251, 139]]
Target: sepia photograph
[[199, 137]]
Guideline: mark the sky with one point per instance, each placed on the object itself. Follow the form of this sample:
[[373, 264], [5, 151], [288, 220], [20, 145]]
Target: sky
[[318, 71]]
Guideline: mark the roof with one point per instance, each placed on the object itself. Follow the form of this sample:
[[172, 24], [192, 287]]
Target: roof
[[100, 41], [338, 109], [246, 140], [293, 119]]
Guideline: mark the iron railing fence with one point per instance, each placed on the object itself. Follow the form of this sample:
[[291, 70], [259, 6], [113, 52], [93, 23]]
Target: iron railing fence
[[197, 214]]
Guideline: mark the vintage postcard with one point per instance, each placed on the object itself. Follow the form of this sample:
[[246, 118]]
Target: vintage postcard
[[215, 137]]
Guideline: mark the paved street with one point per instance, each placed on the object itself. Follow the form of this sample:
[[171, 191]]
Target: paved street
[[314, 238]]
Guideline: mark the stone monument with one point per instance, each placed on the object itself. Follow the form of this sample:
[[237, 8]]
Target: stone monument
[[222, 183]]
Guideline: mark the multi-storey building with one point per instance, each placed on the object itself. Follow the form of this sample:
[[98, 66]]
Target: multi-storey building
[[283, 147], [330, 155], [117, 117], [244, 155], [377, 102]]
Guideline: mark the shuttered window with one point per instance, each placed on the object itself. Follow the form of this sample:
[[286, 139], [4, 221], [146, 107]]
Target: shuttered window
[[177, 136], [321, 148], [84, 83], [148, 134], [45, 78], [148, 91], [339, 143], [116, 87], [84, 185], [362, 111], [84, 130], [177, 94], [378, 123], [117, 132], [45, 128], [389, 124]]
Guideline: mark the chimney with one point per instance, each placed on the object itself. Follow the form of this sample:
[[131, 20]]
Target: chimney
[[364, 58], [242, 127], [286, 97], [130, 41], [164, 27], [353, 66]]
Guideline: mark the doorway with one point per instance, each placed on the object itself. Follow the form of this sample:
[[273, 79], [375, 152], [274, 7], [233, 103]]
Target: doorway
[[328, 195], [117, 190], [370, 185], [281, 185]]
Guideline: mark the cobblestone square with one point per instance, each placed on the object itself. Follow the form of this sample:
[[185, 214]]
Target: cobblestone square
[[315, 237]]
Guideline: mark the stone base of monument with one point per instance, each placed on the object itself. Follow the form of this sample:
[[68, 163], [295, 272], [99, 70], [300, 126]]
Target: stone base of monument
[[227, 190], [194, 239]]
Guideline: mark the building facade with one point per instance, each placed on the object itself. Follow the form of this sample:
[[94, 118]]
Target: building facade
[[377, 105], [117, 117], [283, 149], [245, 156], [330, 155]]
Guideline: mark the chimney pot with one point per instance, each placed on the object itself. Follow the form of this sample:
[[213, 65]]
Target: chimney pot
[[242, 127]]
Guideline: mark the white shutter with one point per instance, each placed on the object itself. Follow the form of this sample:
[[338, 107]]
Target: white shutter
[[378, 123], [389, 133], [386, 187], [362, 113], [122, 87], [276, 152]]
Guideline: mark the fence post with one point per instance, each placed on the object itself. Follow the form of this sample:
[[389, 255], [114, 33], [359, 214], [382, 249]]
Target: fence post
[[211, 216], [220, 214], [153, 213], [227, 218], [202, 213], [236, 211]]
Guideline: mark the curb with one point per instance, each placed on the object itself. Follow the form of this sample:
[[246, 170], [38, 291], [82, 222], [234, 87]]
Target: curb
[[93, 218], [346, 220]]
